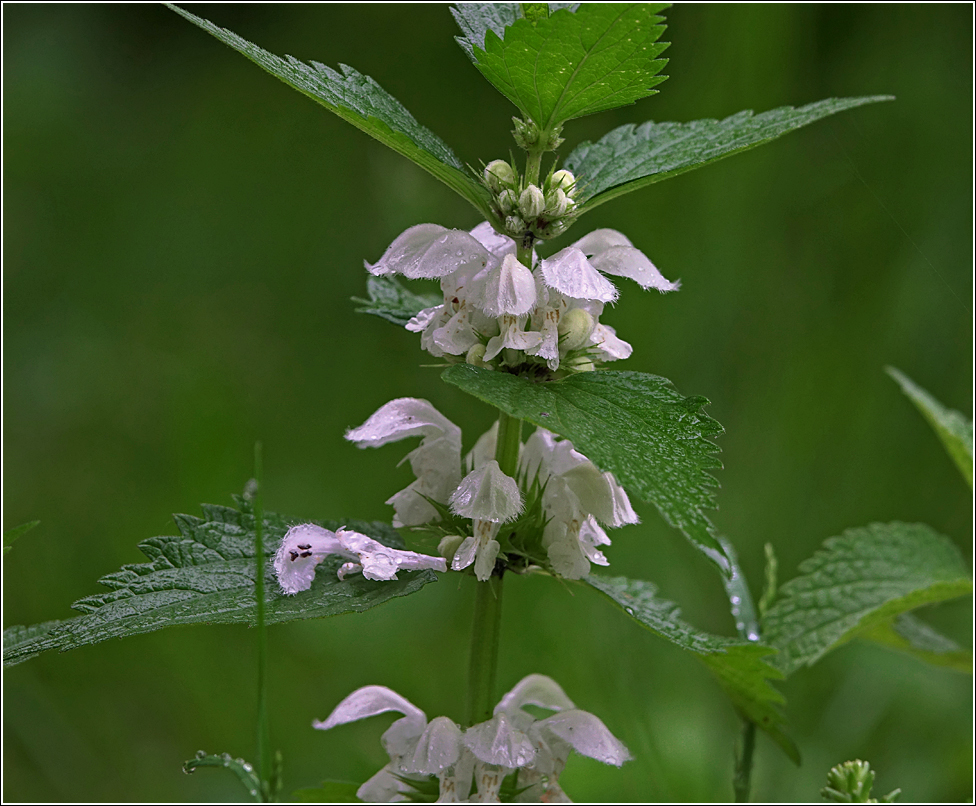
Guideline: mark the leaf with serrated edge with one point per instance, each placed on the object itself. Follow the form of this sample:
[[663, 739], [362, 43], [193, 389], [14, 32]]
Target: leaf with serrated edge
[[630, 157], [954, 429], [909, 634], [390, 300], [654, 440], [359, 100], [572, 64], [206, 575], [477, 19], [738, 665], [865, 577]]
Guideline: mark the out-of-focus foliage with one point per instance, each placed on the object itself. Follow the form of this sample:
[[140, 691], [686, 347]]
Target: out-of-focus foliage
[[182, 237]]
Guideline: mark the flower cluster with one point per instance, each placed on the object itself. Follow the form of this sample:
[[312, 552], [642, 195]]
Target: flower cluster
[[498, 312], [527, 210], [480, 757], [570, 493]]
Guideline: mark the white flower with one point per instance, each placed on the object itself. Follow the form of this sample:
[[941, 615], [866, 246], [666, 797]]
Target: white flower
[[576, 496], [509, 289], [429, 250], [487, 494], [436, 463], [305, 546], [484, 754], [493, 300], [555, 736]]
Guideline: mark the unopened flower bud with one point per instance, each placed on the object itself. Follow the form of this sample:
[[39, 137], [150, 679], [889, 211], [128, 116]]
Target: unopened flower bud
[[526, 133], [532, 202], [507, 201], [583, 364], [557, 203], [498, 175], [563, 180], [449, 545], [476, 356], [575, 328], [514, 225]]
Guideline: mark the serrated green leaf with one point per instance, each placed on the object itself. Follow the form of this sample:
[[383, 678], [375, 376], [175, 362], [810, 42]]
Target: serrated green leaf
[[390, 300], [863, 578], [245, 772], [570, 64], [359, 100], [654, 440], [630, 157], [954, 429], [11, 535], [907, 633], [738, 665], [206, 575], [329, 792], [476, 19]]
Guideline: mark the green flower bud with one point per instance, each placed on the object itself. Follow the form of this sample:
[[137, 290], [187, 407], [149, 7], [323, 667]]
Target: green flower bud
[[526, 133], [557, 203], [564, 180], [532, 202], [507, 201], [476, 356], [575, 329], [514, 225], [499, 175]]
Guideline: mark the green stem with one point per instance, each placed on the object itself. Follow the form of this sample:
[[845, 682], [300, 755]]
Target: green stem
[[533, 166], [483, 665], [743, 762], [264, 733], [508, 443]]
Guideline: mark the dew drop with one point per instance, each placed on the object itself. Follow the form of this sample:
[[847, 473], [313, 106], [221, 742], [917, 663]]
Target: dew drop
[[629, 611], [201, 753], [753, 636], [735, 600]]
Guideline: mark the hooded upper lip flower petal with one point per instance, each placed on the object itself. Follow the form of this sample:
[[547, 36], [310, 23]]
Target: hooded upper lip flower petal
[[429, 250], [436, 463], [305, 546], [612, 253]]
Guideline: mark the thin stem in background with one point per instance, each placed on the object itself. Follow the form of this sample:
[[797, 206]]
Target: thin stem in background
[[741, 781], [264, 734]]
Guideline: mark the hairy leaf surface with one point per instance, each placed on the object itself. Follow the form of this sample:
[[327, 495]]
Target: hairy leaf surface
[[390, 300], [206, 575], [738, 665], [359, 100], [630, 156], [653, 439], [863, 578], [476, 19], [909, 634], [571, 64], [955, 430]]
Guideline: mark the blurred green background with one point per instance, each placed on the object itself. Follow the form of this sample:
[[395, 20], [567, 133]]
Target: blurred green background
[[182, 234]]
